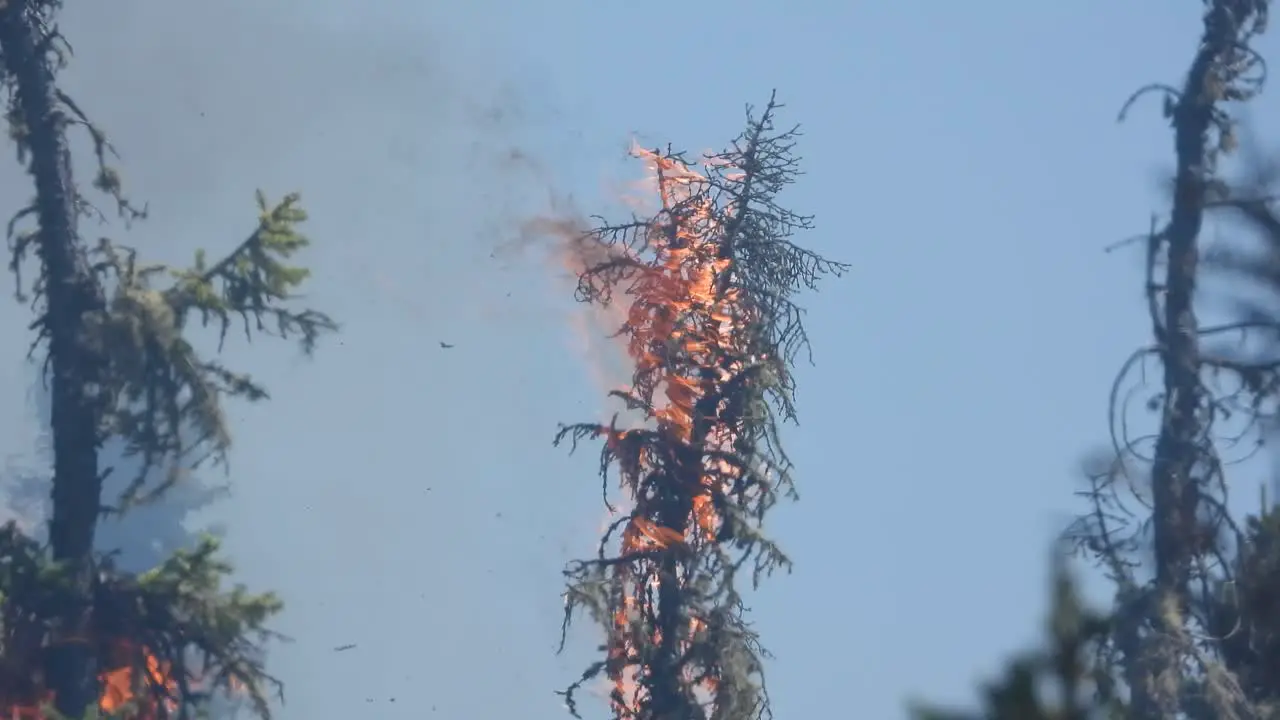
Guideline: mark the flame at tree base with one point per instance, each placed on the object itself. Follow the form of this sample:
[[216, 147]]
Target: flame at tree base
[[152, 692]]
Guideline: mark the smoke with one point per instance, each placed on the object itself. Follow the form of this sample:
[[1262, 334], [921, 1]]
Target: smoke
[[558, 240], [366, 115], [140, 540], [208, 102], [394, 130], [567, 250]]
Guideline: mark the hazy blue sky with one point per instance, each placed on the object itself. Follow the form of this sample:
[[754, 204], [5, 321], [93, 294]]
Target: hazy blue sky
[[963, 157]]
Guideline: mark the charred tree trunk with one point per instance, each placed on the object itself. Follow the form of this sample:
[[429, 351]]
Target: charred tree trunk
[[669, 698], [71, 294]]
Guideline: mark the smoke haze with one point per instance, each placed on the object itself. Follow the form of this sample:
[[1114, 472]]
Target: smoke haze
[[398, 133]]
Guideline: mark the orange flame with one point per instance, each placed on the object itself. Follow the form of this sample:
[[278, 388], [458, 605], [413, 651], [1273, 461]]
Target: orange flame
[[683, 326], [120, 686]]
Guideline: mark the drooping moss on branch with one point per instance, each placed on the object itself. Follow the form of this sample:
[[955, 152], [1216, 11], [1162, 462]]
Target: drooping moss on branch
[[1158, 521], [167, 395], [161, 396]]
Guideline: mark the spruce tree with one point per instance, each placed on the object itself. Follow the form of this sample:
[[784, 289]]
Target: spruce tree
[[1159, 637], [113, 335], [1191, 632], [708, 285]]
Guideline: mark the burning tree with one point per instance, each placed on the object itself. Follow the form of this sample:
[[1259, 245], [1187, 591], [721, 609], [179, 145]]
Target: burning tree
[[712, 326], [75, 632]]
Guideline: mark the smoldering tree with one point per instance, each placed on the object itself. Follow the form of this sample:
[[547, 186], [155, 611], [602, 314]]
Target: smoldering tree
[[709, 283], [113, 335]]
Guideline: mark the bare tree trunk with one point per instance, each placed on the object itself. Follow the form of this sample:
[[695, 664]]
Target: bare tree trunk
[[1179, 456], [71, 292]]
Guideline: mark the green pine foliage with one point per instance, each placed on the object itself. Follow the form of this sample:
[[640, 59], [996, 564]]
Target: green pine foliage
[[167, 403], [182, 612], [120, 336], [168, 398]]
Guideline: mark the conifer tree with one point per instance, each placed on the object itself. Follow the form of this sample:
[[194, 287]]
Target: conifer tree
[[150, 533], [1159, 628], [136, 541], [113, 335], [1192, 628], [708, 285]]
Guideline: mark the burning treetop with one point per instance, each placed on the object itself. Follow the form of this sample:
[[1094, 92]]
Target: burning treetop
[[713, 331]]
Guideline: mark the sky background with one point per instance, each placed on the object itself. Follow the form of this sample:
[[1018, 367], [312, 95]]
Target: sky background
[[963, 157]]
